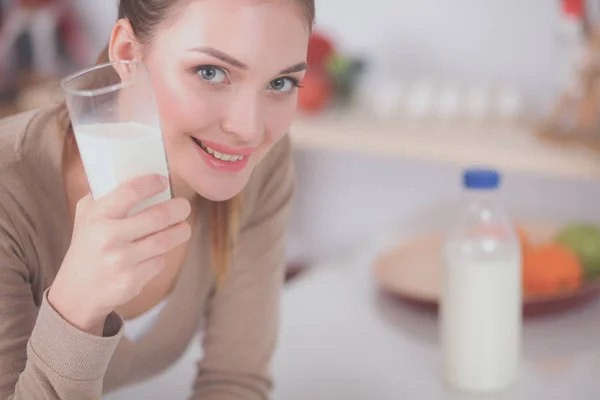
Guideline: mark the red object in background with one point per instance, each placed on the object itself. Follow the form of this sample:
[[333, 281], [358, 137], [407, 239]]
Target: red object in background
[[316, 92], [64, 17], [317, 89], [35, 3], [574, 8], [74, 35], [320, 47]]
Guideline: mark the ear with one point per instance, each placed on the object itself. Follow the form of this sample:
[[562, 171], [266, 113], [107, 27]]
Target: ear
[[123, 44]]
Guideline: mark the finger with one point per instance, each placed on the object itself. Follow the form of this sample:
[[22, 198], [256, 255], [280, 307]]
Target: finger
[[149, 269], [153, 220], [83, 205], [120, 201], [162, 242]]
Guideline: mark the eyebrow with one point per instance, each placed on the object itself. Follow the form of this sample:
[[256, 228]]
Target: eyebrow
[[294, 68], [226, 58]]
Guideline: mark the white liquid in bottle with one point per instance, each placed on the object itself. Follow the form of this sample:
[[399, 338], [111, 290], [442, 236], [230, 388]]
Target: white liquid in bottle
[[481, 331], [481, 304]]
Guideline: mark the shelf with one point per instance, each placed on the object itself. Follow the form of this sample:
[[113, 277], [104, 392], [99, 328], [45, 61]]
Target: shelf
[[508, 147]]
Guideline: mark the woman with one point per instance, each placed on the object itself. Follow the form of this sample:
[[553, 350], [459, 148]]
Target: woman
[[75, 272]]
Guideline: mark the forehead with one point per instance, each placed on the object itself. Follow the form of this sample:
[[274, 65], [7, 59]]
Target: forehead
[[253, 31]]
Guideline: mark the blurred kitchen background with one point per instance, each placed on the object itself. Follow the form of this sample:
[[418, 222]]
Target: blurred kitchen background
[[423, 89], [401, 96]]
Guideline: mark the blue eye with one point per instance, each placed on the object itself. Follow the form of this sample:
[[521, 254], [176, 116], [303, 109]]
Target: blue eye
[[284, 85], [211, 74]]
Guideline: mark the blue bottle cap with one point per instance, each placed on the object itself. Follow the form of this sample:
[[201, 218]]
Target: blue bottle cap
[[481, 179]]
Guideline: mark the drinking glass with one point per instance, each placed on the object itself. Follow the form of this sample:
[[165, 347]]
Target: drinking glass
[[116, 125]]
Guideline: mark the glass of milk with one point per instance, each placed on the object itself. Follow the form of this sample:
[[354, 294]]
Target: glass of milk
[[115, 120]]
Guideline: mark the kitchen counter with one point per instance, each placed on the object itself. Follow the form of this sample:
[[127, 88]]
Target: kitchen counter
[[341, 339]]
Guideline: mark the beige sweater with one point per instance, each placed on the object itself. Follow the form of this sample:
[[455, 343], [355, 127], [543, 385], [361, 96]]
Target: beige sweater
[[44, 357]]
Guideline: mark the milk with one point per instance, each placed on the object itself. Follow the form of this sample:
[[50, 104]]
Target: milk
[[113, 153], [480, 305], [481, 324]]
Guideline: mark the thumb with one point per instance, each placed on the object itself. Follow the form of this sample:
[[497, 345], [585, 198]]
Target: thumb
[[83, 205]]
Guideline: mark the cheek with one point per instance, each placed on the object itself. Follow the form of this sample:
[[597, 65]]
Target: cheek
[[279, 119], [182, 110]]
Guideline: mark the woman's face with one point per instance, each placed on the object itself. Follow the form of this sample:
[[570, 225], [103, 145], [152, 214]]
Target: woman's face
[[225, 75]]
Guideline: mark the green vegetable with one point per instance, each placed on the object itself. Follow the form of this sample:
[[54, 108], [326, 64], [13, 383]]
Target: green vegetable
[[584, 240]]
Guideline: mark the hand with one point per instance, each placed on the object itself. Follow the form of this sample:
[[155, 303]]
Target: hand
[[113, 256]]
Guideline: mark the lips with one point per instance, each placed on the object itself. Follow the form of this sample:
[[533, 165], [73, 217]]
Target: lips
[[219, 155], [232, 161]]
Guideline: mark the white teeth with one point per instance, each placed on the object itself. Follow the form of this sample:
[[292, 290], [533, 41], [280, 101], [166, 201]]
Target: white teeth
[[222, 156]]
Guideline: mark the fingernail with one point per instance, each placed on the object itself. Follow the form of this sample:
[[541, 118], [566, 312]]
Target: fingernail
[[164, 180]]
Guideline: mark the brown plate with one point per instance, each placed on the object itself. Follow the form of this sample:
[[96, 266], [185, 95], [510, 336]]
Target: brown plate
[[412, 270]]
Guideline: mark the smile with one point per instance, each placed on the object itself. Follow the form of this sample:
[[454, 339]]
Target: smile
[[218, 155], [220, 159]]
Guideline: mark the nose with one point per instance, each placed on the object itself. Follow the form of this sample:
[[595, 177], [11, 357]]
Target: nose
[[245, 118]]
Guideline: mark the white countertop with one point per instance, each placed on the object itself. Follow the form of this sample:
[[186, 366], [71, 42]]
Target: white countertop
[[340, 339]]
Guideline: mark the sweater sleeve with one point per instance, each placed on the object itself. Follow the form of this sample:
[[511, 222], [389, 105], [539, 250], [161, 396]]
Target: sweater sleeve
[[242, 320], [41, 355]]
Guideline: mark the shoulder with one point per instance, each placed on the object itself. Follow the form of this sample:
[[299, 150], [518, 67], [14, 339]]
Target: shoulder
[[15, 213], [15, 175], [12, 226], [26, 169], [276, 166], [279, 154], [12, 134], [273, 181], [13, 131], [31, 224], [25, 131]]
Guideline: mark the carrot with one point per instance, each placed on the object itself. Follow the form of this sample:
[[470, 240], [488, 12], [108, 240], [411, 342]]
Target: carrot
[[551, 269]]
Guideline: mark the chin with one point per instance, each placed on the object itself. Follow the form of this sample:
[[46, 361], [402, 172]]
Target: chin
[[218, 188], [220, 194]]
